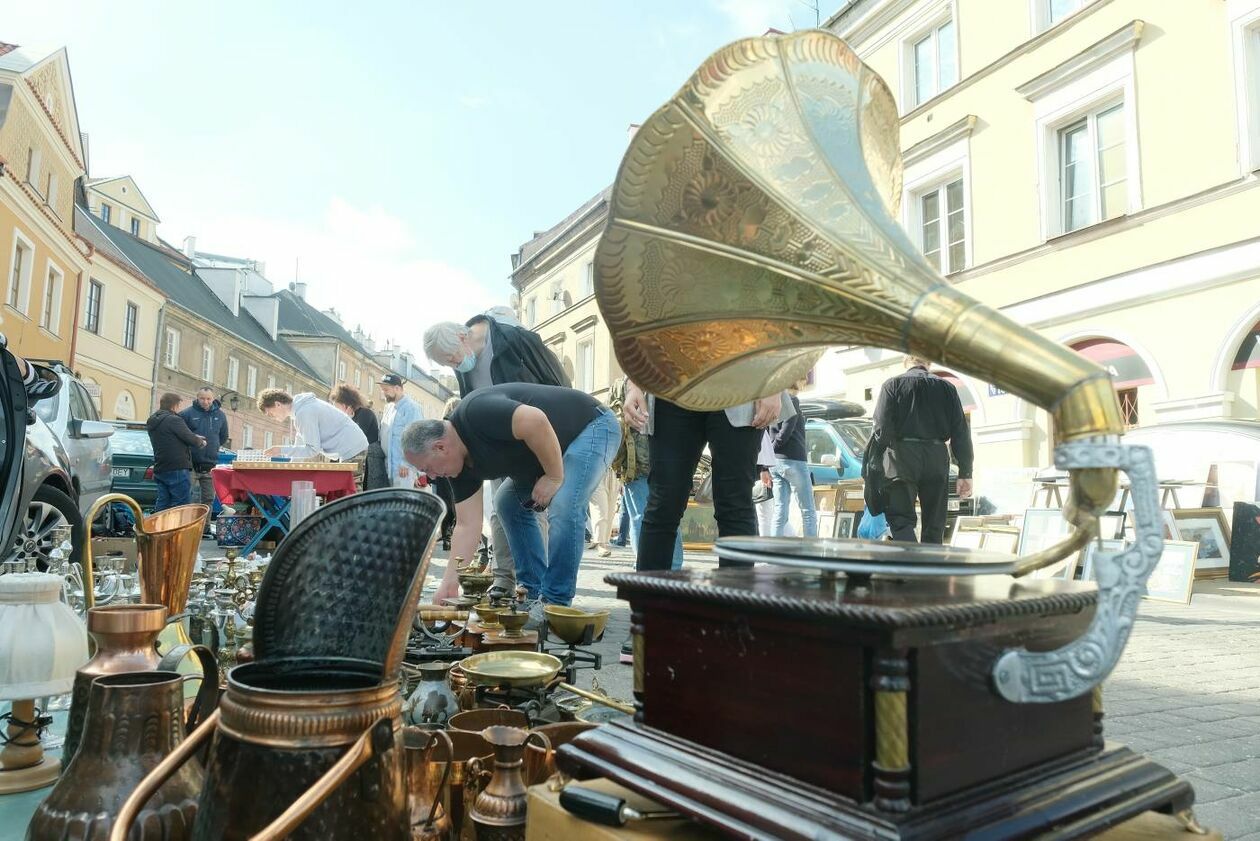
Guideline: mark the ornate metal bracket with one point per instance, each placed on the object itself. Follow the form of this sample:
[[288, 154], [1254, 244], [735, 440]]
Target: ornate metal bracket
[[1046, 677]]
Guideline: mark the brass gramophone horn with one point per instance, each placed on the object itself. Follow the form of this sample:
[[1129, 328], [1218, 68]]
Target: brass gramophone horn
[[752, 225]]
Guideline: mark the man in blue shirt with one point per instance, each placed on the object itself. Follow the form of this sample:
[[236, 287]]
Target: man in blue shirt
[[205, 418], [400, 412]]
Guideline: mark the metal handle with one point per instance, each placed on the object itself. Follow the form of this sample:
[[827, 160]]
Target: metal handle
[[207, 699], [375, 740], [599, 699], [1076, 668], [446, 772], [89, 580], [547, 760], [156, 778]]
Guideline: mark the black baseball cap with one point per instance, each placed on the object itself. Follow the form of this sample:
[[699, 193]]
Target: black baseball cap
[[391, 379]]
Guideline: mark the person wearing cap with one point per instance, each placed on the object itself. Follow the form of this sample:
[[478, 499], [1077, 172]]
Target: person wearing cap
[[400, 412]]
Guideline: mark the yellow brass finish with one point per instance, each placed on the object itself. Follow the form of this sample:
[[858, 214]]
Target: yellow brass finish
[[89, 589], [1097, 699], [511, 668], [892, 742], [598, 699], [637, 645], [295, 720], [753, 224], [569, 623]]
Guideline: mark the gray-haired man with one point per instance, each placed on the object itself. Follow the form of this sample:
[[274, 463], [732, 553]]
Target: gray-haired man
[[491, 350]]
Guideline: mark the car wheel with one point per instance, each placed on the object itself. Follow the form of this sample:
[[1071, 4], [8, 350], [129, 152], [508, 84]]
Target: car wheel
[[50, 509]]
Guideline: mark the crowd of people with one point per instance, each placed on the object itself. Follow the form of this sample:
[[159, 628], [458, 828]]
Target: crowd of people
[[554, 460]]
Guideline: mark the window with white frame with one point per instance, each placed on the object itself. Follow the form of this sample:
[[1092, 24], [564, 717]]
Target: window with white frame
[[586, 365], [22, 264], [341, 371], [358, 378], [1244, 16], [1092, 168], [130, 319], [288, 389], [50, 197], [92, 317], [247, 437], [557, 298], [105, 212], [34, 159], [170, 356], [1052, 12], [251, 381], [50, 318], [271, 381], [531, 312], [268, 439], [588, 285], [207, 364], [234, 373], [135, 227], [931, 62], [942, 225]]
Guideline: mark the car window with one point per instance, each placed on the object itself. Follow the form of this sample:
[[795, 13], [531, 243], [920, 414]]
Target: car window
[[81, 405], [47, 409], [856, 434], [819, 443], [131, 442]]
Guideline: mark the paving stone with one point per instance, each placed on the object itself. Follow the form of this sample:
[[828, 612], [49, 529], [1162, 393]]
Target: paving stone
[[1207, 790], [1240, 775], [1233, 817]]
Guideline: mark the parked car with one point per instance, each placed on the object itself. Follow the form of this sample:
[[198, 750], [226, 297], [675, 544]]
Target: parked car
[[73, 419], [132, 465], [37, 494]]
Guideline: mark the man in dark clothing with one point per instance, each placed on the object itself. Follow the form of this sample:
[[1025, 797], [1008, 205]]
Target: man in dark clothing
[[490, 351], [551, 446], [790, 473], [205, 418], [916, 415], [172, 464]]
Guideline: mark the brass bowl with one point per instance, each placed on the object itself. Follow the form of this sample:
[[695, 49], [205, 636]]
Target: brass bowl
[[511, 668], [569, 623], [461, 602], [475, 583], [513, 623], [488, 615]]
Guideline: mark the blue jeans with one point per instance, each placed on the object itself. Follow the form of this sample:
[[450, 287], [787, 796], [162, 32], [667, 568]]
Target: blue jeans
[[634, 501], [623, 526], [174, 487], [792, 476], [552, 574]]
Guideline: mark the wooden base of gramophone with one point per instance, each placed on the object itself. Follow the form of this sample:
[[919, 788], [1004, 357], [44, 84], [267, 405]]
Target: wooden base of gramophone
[[774, 704]]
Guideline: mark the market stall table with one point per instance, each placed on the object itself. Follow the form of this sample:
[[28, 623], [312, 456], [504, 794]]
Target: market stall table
[[268, 486]]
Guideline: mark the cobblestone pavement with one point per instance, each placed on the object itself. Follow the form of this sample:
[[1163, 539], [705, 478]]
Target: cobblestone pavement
[[1186, 692]]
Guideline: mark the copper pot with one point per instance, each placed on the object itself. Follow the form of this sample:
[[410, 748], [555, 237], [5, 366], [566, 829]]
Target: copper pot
[[126, 641], [498, 813], [134, 721], [474, 721], [540, 763]]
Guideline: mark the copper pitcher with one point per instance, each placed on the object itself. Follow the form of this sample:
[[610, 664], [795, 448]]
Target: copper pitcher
[[126, 641], [427, 778], [498, 813], [133, 722], [168, 546]]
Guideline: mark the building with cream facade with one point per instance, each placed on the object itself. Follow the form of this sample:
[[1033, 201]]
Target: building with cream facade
[[553, 275], [1088, 167]]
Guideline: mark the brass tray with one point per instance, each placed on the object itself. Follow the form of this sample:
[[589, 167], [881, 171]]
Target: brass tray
[[511, 668]]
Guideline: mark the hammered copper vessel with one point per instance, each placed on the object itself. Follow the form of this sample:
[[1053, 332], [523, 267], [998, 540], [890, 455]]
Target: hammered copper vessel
[[498, 813], [308, 740], [168, 544], [133, 722]]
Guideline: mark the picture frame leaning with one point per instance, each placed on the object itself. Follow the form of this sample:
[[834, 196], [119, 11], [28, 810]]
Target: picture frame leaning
[[1209, 528]]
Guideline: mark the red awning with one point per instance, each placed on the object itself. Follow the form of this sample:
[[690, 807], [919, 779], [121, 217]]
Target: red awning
[[1127, 369]]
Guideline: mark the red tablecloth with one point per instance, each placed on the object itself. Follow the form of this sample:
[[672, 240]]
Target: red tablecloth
[[231, 485]]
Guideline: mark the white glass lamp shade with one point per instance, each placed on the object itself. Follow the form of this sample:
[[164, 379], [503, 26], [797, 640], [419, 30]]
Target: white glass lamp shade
[[42, 641]]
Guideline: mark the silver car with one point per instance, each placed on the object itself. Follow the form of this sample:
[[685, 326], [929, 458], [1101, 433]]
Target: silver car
[[73, 419]]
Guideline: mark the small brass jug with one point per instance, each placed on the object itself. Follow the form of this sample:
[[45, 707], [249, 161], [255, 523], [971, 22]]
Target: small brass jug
[[133, 722], [427, 778]]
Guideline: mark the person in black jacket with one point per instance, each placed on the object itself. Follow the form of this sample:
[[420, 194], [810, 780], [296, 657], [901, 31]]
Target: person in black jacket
[[916, 415], [790, 472], [205, 418], [490, 351], [350, 400], [172, 462]]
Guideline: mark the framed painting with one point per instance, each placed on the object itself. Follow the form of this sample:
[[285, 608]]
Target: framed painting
[[1208, 528], [967, 538], [1172, 580], [846, 524], [1090, 553], [1003, 539], [1041, 529], [699, 529]]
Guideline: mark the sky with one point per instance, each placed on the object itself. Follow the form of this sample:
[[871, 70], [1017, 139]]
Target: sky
[[392, 155]]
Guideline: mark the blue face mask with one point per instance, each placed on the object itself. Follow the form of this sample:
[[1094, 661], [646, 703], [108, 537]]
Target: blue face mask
[[467, 363]]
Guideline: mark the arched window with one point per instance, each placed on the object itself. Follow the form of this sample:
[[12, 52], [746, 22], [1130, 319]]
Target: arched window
[[1128, 370], [1248, 355], [125, 406]]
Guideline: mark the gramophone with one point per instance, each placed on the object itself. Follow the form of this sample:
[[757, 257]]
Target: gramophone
[[843, 689]]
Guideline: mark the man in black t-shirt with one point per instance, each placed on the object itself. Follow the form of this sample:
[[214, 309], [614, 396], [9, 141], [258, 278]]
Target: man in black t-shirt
[[552, 445]]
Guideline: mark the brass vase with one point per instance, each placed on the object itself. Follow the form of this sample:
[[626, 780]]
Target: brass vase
[[168, 544], [134, 720], [498, 813], [126, 641], [427, 779]]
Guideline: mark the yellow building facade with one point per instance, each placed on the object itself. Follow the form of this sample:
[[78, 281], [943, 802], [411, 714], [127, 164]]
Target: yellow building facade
[[1088, 167], [553, 275], [117, 338], [41, 155]]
